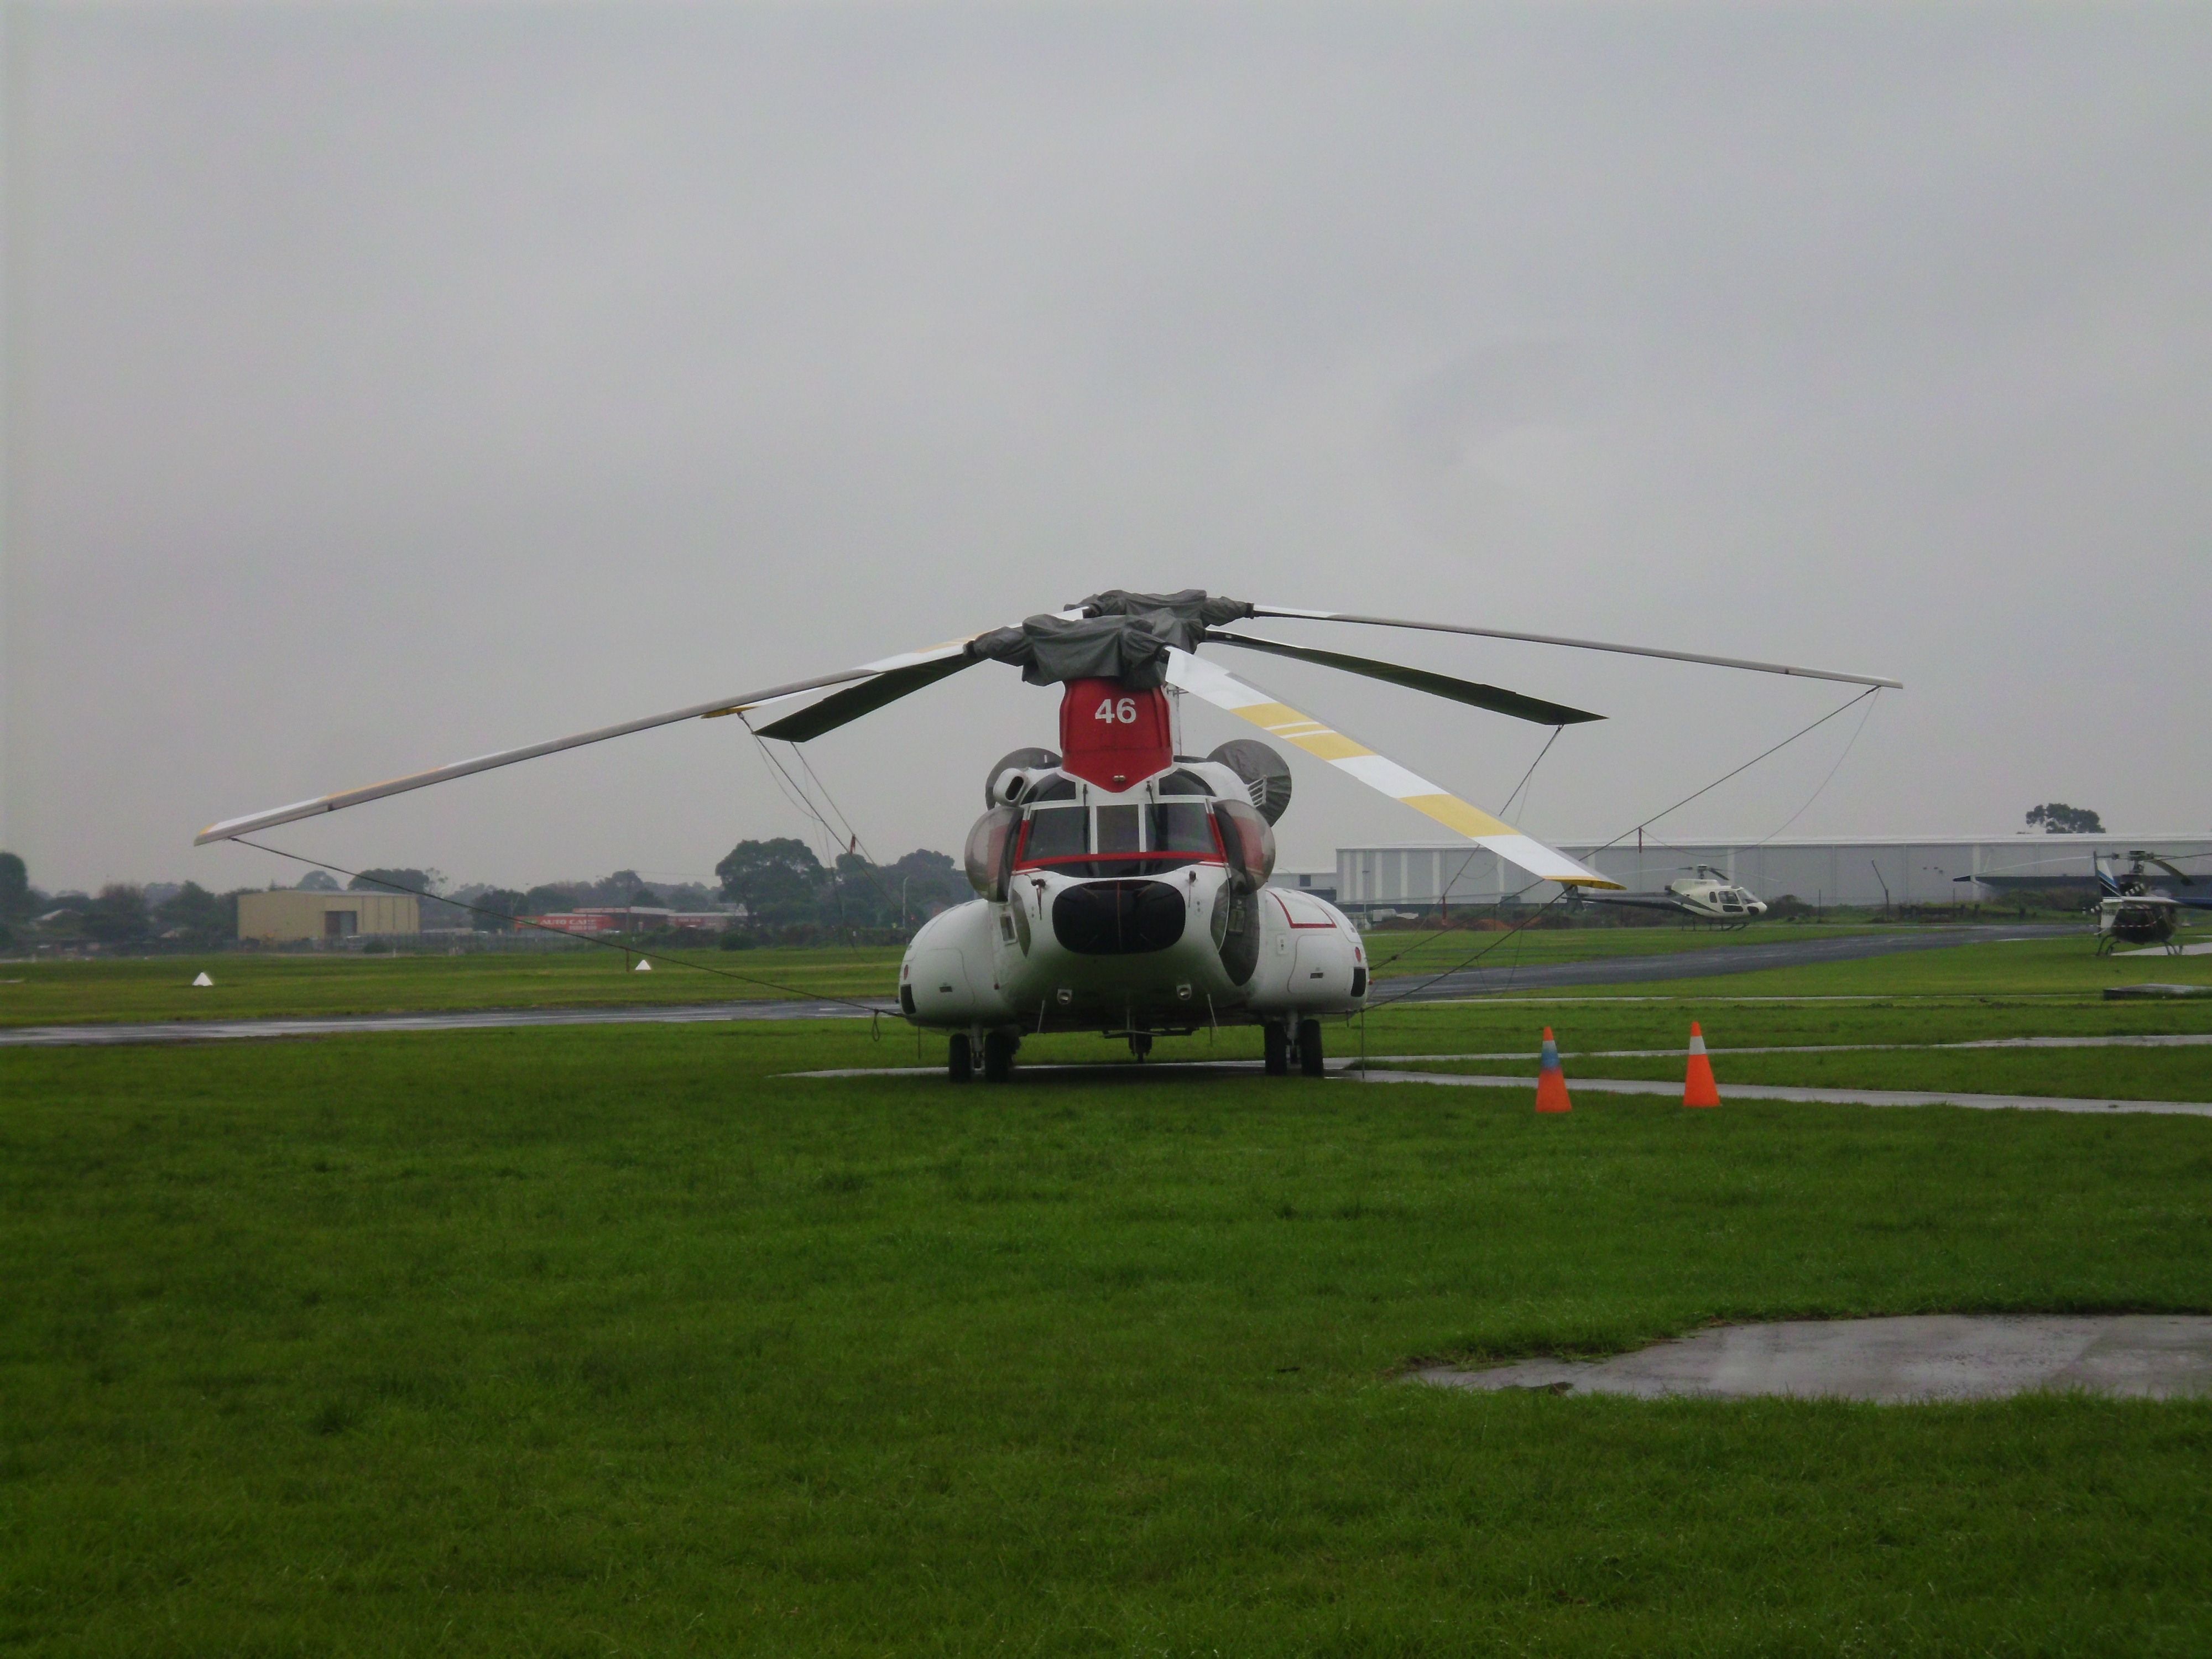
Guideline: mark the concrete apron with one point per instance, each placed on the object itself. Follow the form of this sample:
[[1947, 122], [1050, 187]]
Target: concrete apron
[[1750, 1092], [1924, 1358], [96, 1035]]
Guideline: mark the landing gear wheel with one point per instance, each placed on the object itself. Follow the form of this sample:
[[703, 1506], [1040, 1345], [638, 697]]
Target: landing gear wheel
[[1140, 1045], [1310, 1046], [960, 1062], [1277, 1049], [998, 1055]]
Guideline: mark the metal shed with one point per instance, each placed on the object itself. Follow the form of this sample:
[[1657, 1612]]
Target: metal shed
[[291, 916], [1858, 870]]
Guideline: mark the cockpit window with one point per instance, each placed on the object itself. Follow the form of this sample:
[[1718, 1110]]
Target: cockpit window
[[1058, 832], [1181, 827], [1054, 789], [1182, 781], [1118, 828], [1120, 839]]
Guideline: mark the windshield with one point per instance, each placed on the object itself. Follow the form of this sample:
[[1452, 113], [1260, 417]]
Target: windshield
[[1125, 838], [1057, 832], [1182, 827]]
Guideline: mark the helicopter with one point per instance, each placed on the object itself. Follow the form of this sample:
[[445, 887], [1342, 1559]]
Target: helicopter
[[1121, 887], [2130, 911], [1704, 895]]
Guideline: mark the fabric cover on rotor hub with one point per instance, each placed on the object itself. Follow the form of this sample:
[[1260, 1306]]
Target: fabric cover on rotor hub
[[1121, 636]]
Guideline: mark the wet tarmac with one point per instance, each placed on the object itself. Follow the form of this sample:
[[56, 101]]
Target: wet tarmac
[[1609, 970], [2182, 1040], [1700, 962], [473, 1019], [1922, 1358], [1742, 1091]]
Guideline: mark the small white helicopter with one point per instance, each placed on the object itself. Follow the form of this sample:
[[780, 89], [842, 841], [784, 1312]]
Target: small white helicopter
[[1122, 887], [1704, 895]]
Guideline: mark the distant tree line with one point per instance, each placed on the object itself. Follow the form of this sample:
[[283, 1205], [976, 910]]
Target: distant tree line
[[120, 914], [785, 888], [2056, 818], [783, 891]]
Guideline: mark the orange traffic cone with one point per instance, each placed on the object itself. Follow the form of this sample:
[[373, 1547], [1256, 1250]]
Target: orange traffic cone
[[1698, 1088], [1551, 1081]]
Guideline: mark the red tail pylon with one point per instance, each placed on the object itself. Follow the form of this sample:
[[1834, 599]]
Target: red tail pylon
[[1698, 1088], [1551, 1081]]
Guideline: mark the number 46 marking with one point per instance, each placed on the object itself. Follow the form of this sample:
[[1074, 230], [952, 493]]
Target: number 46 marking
[[1123, 713]]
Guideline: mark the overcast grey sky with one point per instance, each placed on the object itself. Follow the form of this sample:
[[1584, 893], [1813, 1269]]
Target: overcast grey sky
[[389, 384]]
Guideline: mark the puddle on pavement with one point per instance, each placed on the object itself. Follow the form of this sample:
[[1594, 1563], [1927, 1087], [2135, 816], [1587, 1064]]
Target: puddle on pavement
[[1923, 1357]]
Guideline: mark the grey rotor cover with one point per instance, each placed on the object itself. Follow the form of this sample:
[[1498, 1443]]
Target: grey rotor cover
[[1266, 776], [1121, 636]]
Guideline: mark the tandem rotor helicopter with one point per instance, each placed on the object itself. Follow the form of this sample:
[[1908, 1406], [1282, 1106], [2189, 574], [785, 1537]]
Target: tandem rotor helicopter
[[1121, 887]]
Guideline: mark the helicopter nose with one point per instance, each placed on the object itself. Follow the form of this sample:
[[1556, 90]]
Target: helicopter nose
[[1118, 917]]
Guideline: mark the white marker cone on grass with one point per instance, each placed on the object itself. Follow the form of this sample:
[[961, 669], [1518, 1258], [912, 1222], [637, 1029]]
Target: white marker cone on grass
[[203, 979], [643, 967]]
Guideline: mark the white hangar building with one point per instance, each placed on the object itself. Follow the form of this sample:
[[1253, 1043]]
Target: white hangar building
[[1853, 870]]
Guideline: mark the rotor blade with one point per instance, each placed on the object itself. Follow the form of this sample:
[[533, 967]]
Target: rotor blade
[[1639, 900], [1579, 645], [1495, 698], [840, 708], [1217, 686], [231, 828], [2185, 878]]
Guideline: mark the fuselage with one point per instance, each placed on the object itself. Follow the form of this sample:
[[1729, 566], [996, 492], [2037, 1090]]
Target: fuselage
[[1135, 910], [1718, 899]]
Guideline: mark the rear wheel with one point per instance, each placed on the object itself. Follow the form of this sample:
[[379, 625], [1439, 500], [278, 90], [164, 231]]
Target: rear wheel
[[960, 1062], [1310, 1046], [1277, 1049], [998, 1055]]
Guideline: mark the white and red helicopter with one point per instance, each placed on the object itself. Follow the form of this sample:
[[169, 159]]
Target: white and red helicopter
[[1122, 887]]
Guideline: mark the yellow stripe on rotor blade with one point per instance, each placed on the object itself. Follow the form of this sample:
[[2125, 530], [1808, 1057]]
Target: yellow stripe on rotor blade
[[1280, 719], [1216, 685], [1454, 813]]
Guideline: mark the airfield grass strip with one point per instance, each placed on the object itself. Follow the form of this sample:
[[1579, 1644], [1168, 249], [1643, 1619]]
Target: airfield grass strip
[[579, 1342], [270, 984]]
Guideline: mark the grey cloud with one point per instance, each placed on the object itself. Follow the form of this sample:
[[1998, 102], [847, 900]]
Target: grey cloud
[[390, 384]]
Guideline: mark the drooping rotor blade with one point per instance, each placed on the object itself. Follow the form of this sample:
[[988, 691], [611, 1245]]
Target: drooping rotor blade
[[1579, 645], [1495, 698], [2165, 865], [953, 651], [1639, 900], [866, 697], [1213, 684]]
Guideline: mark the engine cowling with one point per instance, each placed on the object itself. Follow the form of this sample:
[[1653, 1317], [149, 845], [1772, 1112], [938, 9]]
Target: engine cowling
[[1266, 774]]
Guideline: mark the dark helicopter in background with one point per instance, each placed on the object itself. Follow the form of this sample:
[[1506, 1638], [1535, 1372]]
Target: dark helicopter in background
[[2138, 909], [2139, 906]]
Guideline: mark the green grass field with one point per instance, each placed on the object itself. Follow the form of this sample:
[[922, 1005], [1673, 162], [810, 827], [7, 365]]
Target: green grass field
[[1423, 949], [249, 985], [625, 1340]]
